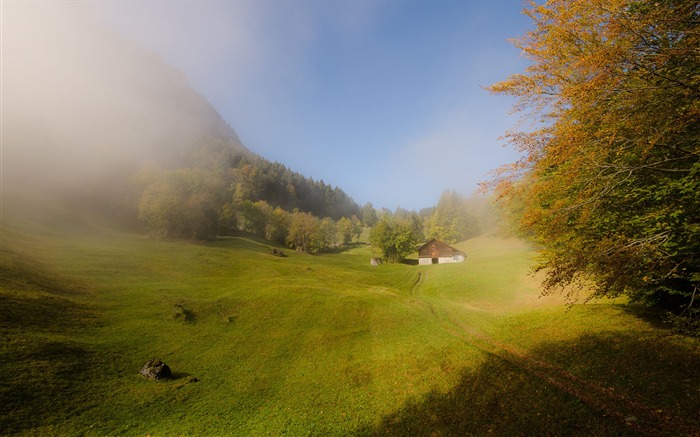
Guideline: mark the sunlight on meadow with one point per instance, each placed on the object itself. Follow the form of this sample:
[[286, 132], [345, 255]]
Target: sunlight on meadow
[[177, 255]]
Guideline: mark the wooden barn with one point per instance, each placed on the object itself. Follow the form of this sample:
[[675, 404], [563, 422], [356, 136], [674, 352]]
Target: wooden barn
[[437, 252]]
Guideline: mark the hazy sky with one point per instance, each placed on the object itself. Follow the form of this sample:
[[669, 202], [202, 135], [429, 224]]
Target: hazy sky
[[383, 99]]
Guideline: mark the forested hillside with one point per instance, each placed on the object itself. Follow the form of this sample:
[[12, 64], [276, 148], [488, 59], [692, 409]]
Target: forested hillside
[[89, 116]]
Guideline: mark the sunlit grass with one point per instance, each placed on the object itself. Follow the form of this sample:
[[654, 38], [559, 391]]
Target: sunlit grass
[[323, 345]]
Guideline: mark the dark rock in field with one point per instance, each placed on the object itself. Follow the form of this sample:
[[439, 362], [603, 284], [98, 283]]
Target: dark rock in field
[[193, 379], [156, 369], [182, 314], [279, 253]]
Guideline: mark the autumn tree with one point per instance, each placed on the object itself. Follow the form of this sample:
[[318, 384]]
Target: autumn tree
[[346, 230], [277, 226], [368, 215], [452, 220], [248, 183], [303, 231], [326, 235], [357, 227], [183, 203], [609, 182], [161, 207], [394, 239], [253, 216]]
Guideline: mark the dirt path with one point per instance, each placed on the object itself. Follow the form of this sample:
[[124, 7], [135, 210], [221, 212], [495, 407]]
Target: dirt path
[[418, 283]]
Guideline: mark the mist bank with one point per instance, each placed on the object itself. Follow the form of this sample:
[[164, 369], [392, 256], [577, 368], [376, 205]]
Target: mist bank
[[93, 122], [79, 101], [89, 115]]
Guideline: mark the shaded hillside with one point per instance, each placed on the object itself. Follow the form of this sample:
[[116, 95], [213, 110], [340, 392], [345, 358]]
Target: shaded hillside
[[86, 114]]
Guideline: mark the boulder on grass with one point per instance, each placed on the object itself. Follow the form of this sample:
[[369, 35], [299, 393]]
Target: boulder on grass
[[156, 369]]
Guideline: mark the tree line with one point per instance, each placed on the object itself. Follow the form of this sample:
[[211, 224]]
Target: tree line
[[224, 191], [218, 190], [395, 236]]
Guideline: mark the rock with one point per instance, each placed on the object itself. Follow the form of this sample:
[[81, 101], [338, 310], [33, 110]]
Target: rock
[[156, 369], [279, 253], [182, 314]]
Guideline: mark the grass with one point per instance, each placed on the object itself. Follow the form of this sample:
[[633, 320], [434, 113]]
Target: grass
[[317, 345]]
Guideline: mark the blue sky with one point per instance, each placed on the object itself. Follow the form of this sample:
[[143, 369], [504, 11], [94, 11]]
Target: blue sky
[[383, 99]]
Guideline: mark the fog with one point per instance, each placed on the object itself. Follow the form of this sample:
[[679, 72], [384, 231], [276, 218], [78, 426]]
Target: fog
[[80, 101]]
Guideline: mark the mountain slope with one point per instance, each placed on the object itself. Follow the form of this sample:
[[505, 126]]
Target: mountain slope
[[78, 99], [86, 113]]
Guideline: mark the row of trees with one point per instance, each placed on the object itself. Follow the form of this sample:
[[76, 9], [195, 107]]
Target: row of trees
[[202, 203], [455, 218], [217, 189], [274, 183], [609, 186], [299, 230], [394, 237]]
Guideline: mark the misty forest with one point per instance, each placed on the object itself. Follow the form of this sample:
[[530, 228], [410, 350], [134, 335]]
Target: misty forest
[[159, 277]]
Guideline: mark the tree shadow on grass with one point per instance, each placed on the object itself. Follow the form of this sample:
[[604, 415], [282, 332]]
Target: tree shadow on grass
[[42, 313], [41, 368], [602, 384], [652, 315], [175, 376], [39, 380]]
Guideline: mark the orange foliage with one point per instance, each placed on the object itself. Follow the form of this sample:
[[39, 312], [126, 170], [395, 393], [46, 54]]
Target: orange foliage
[[614, 90]]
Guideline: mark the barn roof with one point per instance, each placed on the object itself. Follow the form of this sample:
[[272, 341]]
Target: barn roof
[[441, 245]]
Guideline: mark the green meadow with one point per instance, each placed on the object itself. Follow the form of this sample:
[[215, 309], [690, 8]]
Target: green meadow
[[319, 345]]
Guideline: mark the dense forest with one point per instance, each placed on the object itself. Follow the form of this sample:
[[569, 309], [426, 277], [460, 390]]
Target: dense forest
[[221, 190]]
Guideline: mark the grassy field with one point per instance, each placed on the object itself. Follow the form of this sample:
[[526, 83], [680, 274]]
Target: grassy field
[[318, 345]]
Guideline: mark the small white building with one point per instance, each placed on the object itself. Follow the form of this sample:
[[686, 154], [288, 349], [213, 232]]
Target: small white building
[[437, 252]]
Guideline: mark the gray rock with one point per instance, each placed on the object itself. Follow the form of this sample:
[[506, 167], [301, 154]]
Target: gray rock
[[156, 369]]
